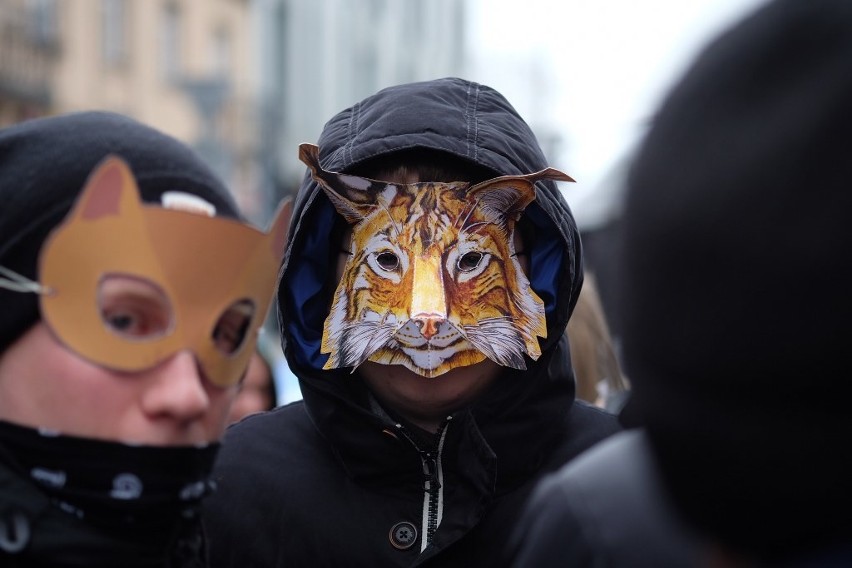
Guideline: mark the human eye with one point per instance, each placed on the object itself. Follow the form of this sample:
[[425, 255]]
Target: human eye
[[133, 308], [126, 322], [232, 326]]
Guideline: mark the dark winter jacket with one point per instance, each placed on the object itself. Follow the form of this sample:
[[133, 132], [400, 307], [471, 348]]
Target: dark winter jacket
[[331, 480], [606, 508]]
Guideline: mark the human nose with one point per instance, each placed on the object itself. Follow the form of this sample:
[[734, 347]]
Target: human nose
[[176, 391]]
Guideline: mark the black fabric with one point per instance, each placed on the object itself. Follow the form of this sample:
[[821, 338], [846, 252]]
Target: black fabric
[[735, 286], [63, 502], [321, 482], [605, 508], [44, 164], [110, 483], [285, 499]]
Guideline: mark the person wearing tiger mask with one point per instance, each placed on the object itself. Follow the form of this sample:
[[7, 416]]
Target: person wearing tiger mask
[[431, 270]]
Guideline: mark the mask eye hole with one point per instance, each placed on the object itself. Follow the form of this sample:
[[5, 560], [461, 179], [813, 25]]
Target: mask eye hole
[[232, 327], [469, 261], [387, 261], [134, 308]]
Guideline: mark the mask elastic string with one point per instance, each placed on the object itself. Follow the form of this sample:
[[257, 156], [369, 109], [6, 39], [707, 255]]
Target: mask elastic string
[[18, 283]]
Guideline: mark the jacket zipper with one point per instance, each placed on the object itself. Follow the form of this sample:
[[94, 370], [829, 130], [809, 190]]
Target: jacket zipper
[[433, 484]]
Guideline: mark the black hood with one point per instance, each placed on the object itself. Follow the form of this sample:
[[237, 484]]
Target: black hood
[[466, 120], [735, 284]]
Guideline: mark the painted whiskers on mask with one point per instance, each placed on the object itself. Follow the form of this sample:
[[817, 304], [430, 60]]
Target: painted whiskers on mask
[[432, 281]]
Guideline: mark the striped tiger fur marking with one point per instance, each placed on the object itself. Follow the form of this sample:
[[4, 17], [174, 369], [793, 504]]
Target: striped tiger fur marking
[[432, 281]]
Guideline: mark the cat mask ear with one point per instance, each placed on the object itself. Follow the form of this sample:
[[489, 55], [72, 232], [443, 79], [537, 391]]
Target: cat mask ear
[[110, 191], [199, 278]]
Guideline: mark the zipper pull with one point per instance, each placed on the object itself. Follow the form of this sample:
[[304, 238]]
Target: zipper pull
[[430, 472]]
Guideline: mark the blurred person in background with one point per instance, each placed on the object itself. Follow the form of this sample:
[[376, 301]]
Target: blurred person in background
[[257, 391], [415, 444], [596, 366], [736, 320], [131, 294]]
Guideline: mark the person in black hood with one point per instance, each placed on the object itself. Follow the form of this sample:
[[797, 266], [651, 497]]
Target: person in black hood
[[736, 319], [736, 329], [418, 438], [128, 313]]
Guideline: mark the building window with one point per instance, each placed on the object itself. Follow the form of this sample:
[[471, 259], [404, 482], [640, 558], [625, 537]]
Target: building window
[[221, 53], [43, 22], [170, 43], [113, 31]]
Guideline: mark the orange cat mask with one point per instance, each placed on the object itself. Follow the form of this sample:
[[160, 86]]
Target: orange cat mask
[[126, 285], [432, 281]]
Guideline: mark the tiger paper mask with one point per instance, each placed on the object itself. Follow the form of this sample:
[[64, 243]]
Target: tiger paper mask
[[432, 281], [129, 284]]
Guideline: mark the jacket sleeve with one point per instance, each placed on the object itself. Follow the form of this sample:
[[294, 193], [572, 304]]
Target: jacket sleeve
[[607, 507], [549, 533]]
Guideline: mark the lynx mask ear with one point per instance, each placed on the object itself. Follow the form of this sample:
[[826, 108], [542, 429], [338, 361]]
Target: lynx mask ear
[[354, 197], [506, 197]]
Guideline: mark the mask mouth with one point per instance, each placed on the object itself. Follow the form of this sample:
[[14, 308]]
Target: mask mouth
[[429, 342], [425, 344], [429, 332]]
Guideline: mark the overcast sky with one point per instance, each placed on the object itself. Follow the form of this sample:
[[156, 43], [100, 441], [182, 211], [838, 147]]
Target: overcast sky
[[591, 70]]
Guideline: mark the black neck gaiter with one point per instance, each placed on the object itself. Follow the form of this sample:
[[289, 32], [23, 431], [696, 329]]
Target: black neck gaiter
[[144, 495]]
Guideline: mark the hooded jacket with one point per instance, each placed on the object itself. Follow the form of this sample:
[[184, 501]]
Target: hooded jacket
[[332, 480]]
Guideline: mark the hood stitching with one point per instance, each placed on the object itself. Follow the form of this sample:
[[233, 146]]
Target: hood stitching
[[472, 121], [351, 133]]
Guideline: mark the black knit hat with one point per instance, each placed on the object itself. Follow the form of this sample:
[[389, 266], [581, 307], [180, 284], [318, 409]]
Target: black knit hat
[[43, 166], [737, 289]]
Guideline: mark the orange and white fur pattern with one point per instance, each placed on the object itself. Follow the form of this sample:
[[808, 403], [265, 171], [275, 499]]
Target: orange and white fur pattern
[[432, 281]]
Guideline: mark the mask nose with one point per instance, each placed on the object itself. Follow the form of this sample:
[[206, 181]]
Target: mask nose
[[428, 324], [428, 299]]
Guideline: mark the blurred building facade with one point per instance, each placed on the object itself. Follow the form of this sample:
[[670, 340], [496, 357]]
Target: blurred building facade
[[29, 49], [321, 56], [183, 66], [245, 81]]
